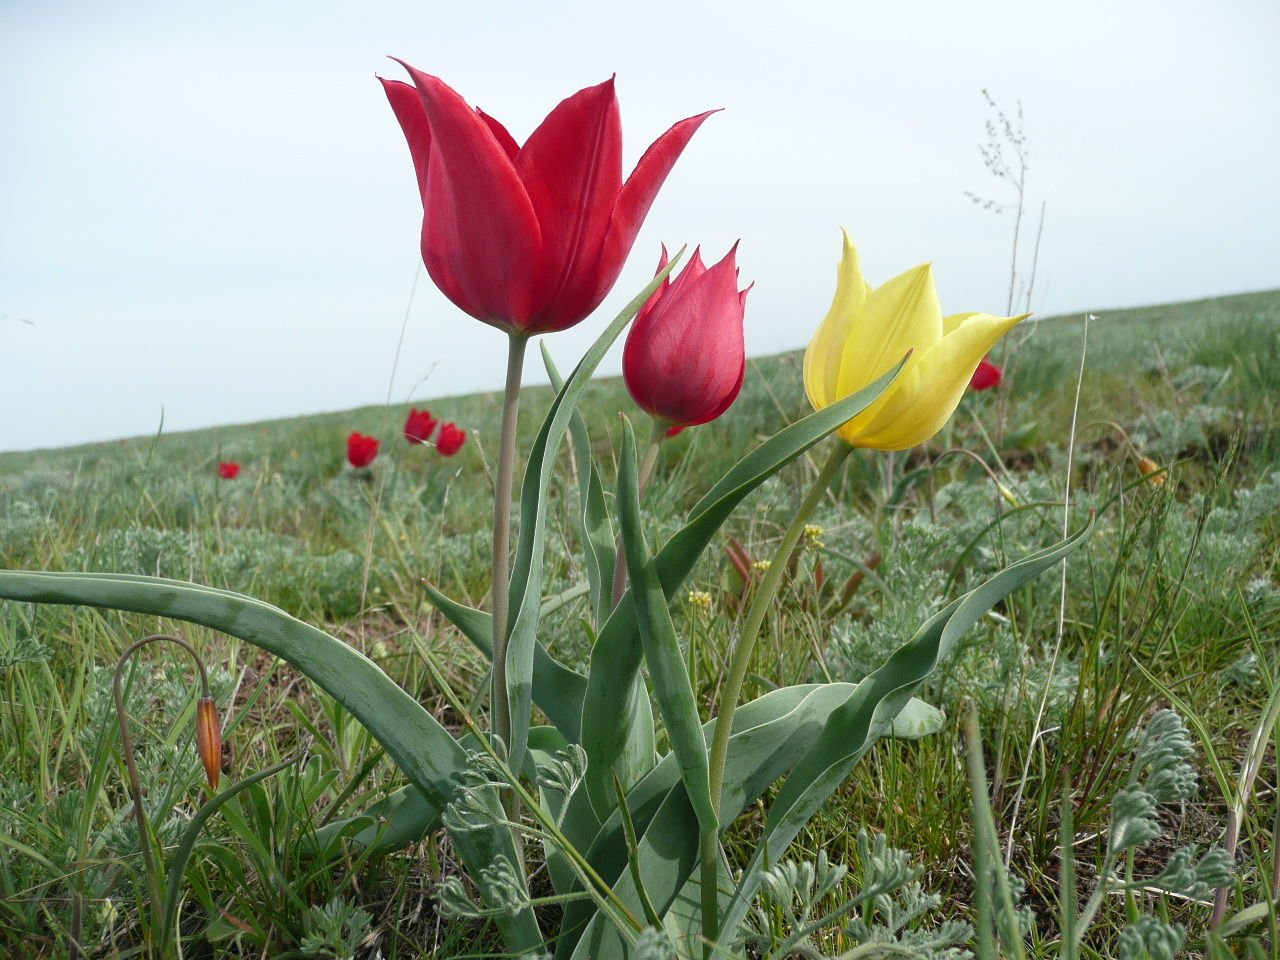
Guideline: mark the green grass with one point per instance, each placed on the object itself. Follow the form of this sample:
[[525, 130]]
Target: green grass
[[1176, 595]]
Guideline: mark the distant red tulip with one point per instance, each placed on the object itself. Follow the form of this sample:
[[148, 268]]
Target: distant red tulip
[[987, 375], [451, 439], [529, 239], [361, 450], [228, 469], [419, 425], [685, 358]]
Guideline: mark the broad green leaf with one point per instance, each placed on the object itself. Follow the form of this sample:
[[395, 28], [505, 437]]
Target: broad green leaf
[[671, 685], [851, 729], [427, 754], [615, 658], [526, 574]]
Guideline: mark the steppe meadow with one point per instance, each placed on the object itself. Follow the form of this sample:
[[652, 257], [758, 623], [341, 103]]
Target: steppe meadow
[[951, 634]]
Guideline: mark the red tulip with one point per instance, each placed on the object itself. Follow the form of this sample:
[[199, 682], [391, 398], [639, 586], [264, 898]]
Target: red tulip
[[361, 450], [228, 470], [987, 375], [419, 426], [529, 239], [685, 358], [451, 439]]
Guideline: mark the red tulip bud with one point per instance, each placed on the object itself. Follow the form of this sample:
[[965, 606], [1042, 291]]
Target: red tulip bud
[[987, 375], [228, 470], [209, 739], [419, 425], [361, 450], [450, 440], [685, 358]]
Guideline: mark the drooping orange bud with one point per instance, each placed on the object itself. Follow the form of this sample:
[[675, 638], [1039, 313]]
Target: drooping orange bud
[[209, 739], [1151, 470]]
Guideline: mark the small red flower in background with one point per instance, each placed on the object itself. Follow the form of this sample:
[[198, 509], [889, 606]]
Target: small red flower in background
[[419, 426], [450, 440], [228, 469], [361, 450], [987, 375]]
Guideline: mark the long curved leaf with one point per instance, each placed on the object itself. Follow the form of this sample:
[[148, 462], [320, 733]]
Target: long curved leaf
[[526, 574], [424, 750], [615, 658]]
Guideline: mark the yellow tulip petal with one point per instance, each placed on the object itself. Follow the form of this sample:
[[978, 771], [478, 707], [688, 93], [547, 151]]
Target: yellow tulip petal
[[930, 388], [822, 358], [903, 314], [950, 323]]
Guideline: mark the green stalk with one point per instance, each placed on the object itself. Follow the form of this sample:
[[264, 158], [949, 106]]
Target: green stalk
[[657, 434], [740, 660], [502, 535]]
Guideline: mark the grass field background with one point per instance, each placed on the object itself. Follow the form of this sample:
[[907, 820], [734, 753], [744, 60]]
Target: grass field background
[[1175, 600]]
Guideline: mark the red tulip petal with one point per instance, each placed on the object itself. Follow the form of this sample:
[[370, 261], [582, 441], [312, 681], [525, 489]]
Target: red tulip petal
[[480, 235], [505, 140], [637, 196], [658, 294], [407, 106], [571, 167]]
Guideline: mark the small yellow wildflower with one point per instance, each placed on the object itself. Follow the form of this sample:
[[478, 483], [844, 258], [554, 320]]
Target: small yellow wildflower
[[760, 566], [700, 599]]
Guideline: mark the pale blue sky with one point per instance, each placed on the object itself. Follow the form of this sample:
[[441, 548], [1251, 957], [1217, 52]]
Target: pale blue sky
[[211, 209]]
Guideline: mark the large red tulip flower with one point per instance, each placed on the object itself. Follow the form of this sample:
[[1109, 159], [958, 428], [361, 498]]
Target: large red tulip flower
[[451, 439], [527, 238]]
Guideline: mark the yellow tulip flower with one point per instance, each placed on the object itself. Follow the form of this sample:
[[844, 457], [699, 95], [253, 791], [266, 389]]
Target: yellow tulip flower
[[867, 331]]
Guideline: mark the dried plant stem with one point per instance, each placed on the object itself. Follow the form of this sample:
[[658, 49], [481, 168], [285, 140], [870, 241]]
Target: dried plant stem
[[502, 534], [1062, 603], [740, 660]]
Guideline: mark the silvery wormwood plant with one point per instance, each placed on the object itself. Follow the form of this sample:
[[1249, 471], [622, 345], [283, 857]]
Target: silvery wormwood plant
[[624, 829]]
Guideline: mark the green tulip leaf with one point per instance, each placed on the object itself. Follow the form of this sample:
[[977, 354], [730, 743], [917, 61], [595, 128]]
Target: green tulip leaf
[[526, 574], [854, 719], [593, 525], [615, 658], [671, 685]]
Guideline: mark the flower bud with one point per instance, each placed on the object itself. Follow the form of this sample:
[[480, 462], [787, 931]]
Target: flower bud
[[1151, 470], [685, 358], [209, 739]]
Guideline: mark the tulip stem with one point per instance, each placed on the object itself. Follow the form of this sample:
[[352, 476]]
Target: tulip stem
[[502, 535], [656, 435], [739, 661]]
